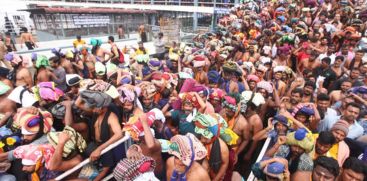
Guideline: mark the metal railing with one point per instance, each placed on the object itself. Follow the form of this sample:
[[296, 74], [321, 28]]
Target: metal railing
[[261, 155], [205, 3], [86, 161]]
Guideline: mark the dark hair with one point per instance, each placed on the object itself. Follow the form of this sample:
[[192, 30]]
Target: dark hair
[[330, 164], [111, 38], [355, 165], [160, 34], [323, 97], [78, 37], [360, 51], [353, 104], [339, 57], [55, 59], [326, 138], [310, 84], [297, 91], [326, 59]]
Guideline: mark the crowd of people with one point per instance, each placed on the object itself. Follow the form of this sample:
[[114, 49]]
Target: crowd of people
[[293, 73]]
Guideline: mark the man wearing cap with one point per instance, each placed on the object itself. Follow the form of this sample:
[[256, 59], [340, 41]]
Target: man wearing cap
[[340, 150], [295, 147], [73, 82], [186, 150], [105, 128]]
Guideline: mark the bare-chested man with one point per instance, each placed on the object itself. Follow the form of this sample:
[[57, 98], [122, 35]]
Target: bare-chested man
[[182, 165], [337, 95], [41, 65], [251, 55], [309, 63], [7, 107], [27, 39], [280, 86], [23, 76], [66, 63], [236, 122]]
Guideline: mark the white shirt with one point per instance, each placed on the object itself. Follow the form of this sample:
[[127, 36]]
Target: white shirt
[[330, 118], [27, 97], [332, 57]]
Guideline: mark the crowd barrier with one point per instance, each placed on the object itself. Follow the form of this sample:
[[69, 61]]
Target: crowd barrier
[[261, 155]]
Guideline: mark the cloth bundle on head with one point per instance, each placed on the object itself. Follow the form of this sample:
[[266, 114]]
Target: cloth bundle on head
[[265, 85], [275, 169], [133, 170], [135, 127], [301, 138], [30, 124], [42, 60], [187, 148], [186, 73], [279, 69], [32, 154], [3, 88], [230, 67], [144, 58], [265, 60], [47, 91], [206, 125], [128, 93], [251, 97], [58, 111], [100, 69], [199, 61], [73, 79], [262, 68], [100, 86], [253, 78], [95, 99], [281, 119], [76, 143], [303, 109], [231, 100], [11, 57], [216, 94], [201, 89], [148, 90], [249, 66], [154, 64], [95, 42], [188, 97], [111, 69], [173, 57], [341, 125], [214, 77]]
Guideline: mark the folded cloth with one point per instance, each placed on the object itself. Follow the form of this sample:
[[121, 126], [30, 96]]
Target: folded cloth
[[187, 148], [135, 127], [265, 85], [111, 69], [73, 79], [42, 60], [47, 91], [214, 77], [253, 78], [76, 143], [30, 123], [301, 138], [154, 64], [216, 94], [248, 96], [100, 86], [95, 99], [148, 90], [100, 69], [3, 88], [128, 93], [128, 169]]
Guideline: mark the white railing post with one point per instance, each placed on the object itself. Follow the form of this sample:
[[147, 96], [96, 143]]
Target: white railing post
[[261, 155]]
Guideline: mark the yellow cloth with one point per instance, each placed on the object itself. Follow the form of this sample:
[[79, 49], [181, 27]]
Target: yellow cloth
[[333, 152], [313, 153], [140, 52], [77, 43]]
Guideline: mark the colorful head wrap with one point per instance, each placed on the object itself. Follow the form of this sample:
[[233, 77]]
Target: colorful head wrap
[[275, 169], [128, 93], [266, 86], [148, 89], [253, 78], [199, 61], [128, 169], [303, 109], [30, 123], [3, 88], [95, 42], [42, 61], [214, 77], [142, 58], [100, 86], [206, 125], [154, 64], [230, 67], [187, 148], [13, 58], [135, 127], [301, 138], [230, 101], [47, 91], [281, 119], [189, 97], [217, 94], [32, 154]]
